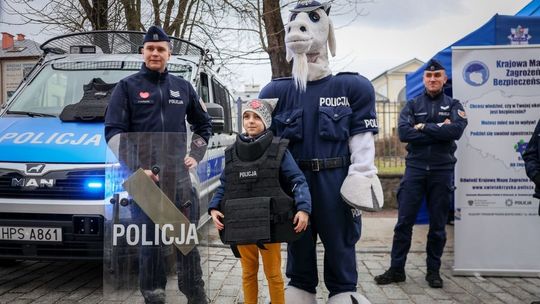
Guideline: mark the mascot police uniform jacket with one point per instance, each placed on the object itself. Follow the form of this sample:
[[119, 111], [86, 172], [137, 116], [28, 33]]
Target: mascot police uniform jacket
[[320, 114]]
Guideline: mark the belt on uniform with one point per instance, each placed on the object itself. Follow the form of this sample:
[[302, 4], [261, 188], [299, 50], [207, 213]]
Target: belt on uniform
[[318, 164]]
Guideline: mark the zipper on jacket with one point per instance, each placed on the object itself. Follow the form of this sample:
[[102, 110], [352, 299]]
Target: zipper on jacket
[[161, 105]]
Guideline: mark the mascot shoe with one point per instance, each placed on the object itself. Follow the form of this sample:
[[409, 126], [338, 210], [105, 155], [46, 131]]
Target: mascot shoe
[[295, 295], [348, 298]]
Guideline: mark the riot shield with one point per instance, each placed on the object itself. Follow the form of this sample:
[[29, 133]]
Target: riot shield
[[153, 239]]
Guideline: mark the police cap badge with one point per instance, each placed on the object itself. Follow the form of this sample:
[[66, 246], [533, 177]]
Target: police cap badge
[[433, 65]]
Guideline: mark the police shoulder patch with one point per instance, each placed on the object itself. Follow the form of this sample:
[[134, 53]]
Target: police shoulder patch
[[462, 114], [199, 142]]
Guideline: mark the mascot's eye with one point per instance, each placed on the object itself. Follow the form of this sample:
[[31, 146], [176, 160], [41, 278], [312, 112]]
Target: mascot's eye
[[314, 17], [293, 16]]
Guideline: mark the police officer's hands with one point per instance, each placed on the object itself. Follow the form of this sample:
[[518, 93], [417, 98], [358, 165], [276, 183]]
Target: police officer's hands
[[216, 217], [301, 221], [190, 162], [153, 176], [419, 126]]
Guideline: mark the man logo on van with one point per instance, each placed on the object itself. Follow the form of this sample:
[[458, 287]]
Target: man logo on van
[[32, 182]]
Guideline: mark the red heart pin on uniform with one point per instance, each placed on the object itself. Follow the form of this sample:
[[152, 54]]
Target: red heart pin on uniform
[[144, 94]]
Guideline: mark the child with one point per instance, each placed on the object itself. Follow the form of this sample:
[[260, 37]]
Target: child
[[251, 151]]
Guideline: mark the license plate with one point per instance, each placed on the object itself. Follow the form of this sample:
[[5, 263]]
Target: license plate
[[36, 234]]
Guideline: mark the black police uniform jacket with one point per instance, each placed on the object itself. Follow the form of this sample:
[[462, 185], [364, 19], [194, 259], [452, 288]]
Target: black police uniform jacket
[[150, 101], [433, 147], [256, 208], [531, 156]]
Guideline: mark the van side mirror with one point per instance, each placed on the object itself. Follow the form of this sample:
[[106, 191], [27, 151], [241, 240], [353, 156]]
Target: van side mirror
[[218, 117]]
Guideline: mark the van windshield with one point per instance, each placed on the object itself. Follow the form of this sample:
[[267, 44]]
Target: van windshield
[[61, 84]]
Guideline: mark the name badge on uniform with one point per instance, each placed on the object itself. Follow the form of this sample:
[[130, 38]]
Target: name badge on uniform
[[143, 98], [144, 101]]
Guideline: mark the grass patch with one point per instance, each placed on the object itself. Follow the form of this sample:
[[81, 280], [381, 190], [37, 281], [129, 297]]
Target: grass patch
[[391, 170]]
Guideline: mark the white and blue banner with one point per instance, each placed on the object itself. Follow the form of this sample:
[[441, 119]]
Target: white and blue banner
[[497, 227]]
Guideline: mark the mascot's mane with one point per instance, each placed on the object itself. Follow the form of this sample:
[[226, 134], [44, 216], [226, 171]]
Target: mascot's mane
[[308, 37]]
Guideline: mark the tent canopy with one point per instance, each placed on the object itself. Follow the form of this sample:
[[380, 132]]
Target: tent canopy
[[495, 32]]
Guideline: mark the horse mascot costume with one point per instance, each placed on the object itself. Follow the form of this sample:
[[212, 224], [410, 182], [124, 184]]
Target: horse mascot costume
[[330, 121]]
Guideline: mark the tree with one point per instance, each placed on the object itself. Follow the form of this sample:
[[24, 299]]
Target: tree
[[237, 31]]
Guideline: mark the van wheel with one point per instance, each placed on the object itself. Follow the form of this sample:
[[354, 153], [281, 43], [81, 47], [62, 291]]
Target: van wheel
[[8, 262]]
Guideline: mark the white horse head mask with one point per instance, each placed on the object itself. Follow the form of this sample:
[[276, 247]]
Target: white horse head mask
[[307, 34]]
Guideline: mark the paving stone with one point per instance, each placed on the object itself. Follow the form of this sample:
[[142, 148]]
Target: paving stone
[[422, 299], [394, 293], [508, 298]]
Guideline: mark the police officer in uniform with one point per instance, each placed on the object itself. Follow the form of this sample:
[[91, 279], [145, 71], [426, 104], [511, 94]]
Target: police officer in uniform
[[144, 102], [429, 124]]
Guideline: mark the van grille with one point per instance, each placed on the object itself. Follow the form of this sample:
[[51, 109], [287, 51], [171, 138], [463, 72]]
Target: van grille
[[69, 184]]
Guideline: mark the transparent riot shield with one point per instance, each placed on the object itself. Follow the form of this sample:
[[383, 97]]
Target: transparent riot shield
[[155, 246]]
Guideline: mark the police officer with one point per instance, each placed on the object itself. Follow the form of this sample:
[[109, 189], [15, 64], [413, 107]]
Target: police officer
[[429, 124], [531, 156], [153, 100]]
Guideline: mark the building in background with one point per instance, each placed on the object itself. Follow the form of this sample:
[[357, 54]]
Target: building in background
[[390, 95], [250, 91], [391, 83], [17, 57]]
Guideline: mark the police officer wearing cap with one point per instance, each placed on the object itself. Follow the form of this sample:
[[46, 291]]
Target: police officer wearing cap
[[429, 124], [142, 103]]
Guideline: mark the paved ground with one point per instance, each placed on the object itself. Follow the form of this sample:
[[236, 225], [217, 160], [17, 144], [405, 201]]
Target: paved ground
[[45, 282]]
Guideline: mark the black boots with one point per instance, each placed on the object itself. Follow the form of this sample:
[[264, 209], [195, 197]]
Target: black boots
[[392, 275], [434, 279]]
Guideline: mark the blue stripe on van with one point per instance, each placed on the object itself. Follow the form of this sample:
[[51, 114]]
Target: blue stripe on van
[[26, 139], [210, 168]]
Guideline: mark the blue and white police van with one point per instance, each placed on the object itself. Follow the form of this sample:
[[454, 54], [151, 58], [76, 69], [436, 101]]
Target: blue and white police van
[[53, 156]]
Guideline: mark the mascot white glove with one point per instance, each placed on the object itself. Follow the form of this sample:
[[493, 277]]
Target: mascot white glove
[[362, 188]]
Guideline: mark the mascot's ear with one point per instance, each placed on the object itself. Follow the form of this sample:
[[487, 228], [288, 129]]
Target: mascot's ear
[[272, 102], [288, 54], [331, 38]]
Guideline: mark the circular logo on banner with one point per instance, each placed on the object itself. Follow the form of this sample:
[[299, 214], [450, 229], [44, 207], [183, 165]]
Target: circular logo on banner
[[476, 73]]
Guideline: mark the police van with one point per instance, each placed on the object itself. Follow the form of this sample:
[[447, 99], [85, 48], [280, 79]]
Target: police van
[[53, 149]]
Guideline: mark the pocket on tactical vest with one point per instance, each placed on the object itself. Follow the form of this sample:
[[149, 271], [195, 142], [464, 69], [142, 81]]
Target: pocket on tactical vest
[[334, 122], [289, 124], [246, 221]]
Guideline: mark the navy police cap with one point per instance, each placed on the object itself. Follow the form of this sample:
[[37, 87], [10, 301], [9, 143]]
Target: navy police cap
[[155, 34], [308, 6], [433, 65]]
